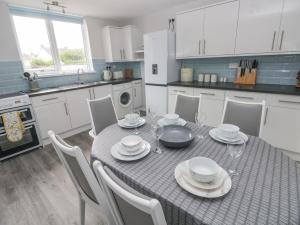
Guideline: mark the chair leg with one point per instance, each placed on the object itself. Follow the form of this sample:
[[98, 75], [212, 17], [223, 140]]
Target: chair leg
[[82, 211]]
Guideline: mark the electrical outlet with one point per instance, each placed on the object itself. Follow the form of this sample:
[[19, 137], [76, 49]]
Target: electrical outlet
[[233, 65]]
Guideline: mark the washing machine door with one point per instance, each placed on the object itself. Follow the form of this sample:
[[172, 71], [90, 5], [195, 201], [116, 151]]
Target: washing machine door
[[125, 99]]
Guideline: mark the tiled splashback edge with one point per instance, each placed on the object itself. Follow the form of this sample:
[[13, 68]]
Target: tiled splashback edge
[[11, 76], [279, 69]]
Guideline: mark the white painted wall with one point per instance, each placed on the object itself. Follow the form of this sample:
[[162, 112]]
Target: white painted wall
[[160, 20], [8, 47]]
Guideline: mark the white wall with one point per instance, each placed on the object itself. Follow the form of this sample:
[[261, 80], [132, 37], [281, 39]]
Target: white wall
[[8, 47], [160, 20]]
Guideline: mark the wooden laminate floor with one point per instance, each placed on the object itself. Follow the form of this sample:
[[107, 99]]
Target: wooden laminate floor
[[35, 189]]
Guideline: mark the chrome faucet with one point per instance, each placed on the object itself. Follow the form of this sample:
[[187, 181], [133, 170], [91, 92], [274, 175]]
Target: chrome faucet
[[78, 75]]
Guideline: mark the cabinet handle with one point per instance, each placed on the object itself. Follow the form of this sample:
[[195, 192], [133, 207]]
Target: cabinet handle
[[49, 99], [121, 54], [281, 40], [204, 46], [266, 115], [179, 91], [134, 92], [199, 47], [286, 101], [244, 97], [124, 55], [66, 109], [273, 41], [90, 93], [205, 93], [94, 93]]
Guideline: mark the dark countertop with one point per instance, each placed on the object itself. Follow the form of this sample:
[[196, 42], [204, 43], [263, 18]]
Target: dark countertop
[[264, 88], [76, 86]]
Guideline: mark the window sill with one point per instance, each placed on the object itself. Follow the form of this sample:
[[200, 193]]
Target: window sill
[[60, 74]]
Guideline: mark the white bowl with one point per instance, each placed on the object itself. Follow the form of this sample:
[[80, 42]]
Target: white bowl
[[131, 143], [229, 130], [203, 169], [171, 118], [132, 118]]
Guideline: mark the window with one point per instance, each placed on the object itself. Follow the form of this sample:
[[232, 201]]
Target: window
[[51, 46]]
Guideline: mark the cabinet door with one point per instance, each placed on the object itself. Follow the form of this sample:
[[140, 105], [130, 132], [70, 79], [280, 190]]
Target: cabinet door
[[102, 91], [137, 96], [282, 128], [117, 43], [258, 26], [220, 23], [78, 107], [53, 117], [289, 39], [189, 31]]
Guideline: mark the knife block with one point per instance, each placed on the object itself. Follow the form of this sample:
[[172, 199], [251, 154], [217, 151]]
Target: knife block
[[247, 78]]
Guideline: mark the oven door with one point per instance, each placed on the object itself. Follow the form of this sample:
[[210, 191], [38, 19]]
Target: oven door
[[30, 141], [26, 114]]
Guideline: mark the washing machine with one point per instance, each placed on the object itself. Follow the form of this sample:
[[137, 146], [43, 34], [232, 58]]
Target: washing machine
[[123, 99]]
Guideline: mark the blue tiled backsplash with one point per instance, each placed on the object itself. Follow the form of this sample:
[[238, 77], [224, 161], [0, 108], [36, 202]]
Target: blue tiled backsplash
[[271, 69], [11, 76]]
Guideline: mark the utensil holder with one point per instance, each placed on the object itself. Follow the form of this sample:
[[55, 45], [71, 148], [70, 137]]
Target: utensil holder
[[247, 78], [34, 85]]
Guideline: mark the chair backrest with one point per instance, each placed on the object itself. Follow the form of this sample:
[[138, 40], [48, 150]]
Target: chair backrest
[[248, 116], [130, 206], [187, 107], [102, 113], [81, 174]]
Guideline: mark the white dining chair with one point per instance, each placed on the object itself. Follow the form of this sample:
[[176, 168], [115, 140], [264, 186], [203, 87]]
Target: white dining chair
[[248, 116], [187, 106], [102, 113], [81, 174], [129, 206]]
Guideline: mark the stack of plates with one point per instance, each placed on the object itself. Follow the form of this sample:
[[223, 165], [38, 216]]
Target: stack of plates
[[130, 148], [171, 119], [218, 187], [126, 124], [217, 135]]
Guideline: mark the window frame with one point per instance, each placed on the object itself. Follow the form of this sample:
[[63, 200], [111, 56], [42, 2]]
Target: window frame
[[57, 67]]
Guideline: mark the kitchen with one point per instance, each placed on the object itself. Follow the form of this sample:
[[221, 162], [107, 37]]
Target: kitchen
[[58, 59]]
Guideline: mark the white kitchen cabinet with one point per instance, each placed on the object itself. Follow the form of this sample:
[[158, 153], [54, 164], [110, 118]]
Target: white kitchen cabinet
[[137, 94], [121, 43], [220, 24], [102, 91], [189, 33], [245, 96], [78, 107], [258, 26], [289, 35], [172, 93]]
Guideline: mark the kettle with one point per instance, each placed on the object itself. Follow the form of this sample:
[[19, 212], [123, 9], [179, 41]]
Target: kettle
[[107, 75]]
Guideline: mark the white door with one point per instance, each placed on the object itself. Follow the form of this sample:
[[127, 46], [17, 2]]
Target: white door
[[189, 34], [220, 23], [156, 56], [289, 36], [117, 43], [282, 128], [102, 91], [78, 107], [53, 117], [258, 26], [156, 99], [137, 96]]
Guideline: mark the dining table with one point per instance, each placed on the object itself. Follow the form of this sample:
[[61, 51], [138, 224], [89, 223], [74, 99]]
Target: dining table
[[266, 191]]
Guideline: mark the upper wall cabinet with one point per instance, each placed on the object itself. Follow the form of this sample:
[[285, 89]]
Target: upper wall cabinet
[[258, 26], [207, 31], [121, 43]]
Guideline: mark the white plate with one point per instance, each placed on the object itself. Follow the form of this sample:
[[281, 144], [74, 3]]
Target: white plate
[[211, 185], [123, 151], [214, 193], [215, 135], [115, 153], [124, 124], [162, 122]]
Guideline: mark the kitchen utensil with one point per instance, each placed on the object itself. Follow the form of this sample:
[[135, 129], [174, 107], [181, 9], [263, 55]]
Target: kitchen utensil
[[229, 130], [162, 122], [203, 169], [131, 143], [201, 77], [213, 78], [107, 75], [171, 118], [122, 123], [117, 75], [175, 136], [207, 78], [128, 73], [214, 134], [186, 75], [132, 118]]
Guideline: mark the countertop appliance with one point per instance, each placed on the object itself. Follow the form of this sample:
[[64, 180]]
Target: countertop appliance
[[123, 99], [18, 102], [160, 69]]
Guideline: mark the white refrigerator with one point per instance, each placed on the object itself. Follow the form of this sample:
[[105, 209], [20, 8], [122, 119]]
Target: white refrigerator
[[160, 69]]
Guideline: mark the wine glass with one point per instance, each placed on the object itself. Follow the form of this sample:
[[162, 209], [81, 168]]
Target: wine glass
[[152, 116], [200, 119], [235, 151], [157, 133], [136, 131]]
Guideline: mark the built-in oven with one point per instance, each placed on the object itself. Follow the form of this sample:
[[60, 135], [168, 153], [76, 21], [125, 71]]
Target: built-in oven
[[26, 114]]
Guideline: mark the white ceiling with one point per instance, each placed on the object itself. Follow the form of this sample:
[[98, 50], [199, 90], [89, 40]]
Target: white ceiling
[[113, 9]]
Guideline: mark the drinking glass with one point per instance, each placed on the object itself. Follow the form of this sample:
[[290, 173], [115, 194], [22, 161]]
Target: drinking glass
[[136, 131], [152, 116], [235, 151], [157, 133], [200, 119]]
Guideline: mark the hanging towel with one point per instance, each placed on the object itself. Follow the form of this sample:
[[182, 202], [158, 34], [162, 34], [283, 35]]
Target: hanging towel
[[13, 126]]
